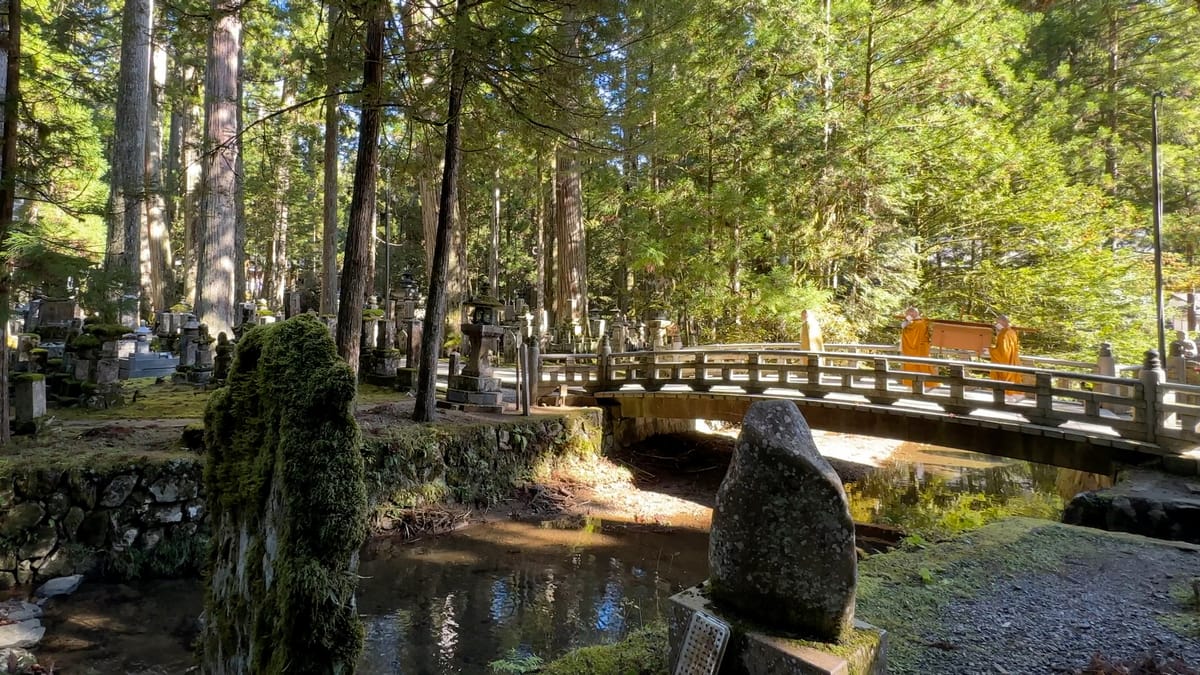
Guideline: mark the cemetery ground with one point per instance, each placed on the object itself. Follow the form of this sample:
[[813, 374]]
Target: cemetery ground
[[1018, 595]]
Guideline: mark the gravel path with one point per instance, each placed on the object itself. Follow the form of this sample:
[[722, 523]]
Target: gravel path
[[1110, 603]]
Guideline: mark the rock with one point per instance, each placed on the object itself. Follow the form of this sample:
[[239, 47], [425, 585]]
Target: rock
[[42, 543], [18, 611], [782, 549], [24, 572], [94, 529], [24, 634], [23, 659], [81, 488], [7, 580], [72, 521], [59, 586], [56, 564], [194, 509], [172, 513], [57, 504], [118, 490], [21, 517]]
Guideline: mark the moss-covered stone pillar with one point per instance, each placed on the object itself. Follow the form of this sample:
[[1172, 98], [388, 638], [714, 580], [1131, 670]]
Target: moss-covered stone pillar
[[288, 505]]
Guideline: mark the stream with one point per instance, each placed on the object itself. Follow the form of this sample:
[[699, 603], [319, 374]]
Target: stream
[[455, 603]]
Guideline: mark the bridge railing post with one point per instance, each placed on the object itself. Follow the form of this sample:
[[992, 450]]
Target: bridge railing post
[[603, 365], [1043, 400], [699, 375], [812, 379], [1152, 376], [755, 384], [880, 394], [958, 390]]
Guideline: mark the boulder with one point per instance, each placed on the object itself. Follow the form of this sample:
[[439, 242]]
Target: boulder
[[59, 586], [782, 545]]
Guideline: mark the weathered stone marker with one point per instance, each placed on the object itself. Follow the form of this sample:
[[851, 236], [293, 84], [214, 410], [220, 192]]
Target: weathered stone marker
[[782, 542], [288, 504], [783, 561]]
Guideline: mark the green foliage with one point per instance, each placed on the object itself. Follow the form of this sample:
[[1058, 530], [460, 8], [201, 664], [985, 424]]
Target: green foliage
[[643, 652], [516, 663]]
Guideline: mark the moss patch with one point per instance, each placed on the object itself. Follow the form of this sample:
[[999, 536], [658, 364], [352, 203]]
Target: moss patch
[[284, 483], [642, 652]]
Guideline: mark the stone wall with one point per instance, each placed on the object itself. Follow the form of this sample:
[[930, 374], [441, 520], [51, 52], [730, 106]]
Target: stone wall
[[138, 519], [148, 519]]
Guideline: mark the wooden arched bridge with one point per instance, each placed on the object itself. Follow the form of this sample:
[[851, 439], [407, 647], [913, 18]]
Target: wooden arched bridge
[[1061, 412]]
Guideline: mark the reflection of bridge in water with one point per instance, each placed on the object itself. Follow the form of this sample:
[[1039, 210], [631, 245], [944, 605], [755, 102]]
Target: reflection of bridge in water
[[1065, 416]]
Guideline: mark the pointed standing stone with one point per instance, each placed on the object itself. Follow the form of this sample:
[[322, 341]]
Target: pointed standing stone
[[782, 543]]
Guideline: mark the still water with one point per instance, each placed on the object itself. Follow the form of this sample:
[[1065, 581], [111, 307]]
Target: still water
[[459, 602], [455, 603]]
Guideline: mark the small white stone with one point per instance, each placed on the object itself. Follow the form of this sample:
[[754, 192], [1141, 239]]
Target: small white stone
[[25, 634], [59, 586]]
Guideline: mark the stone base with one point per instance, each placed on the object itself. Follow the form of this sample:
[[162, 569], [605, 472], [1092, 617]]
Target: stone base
[[468, 407], [756, 650], [406, 379], [469, 383], [492, 398]]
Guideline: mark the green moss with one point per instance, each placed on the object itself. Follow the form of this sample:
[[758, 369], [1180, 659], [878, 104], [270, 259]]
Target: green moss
[[174, 556], [106, 331], [54, 364], [642, 652], [28, 377], [39, 351], [284, 453], [84, 341], [179, 308], [372, 314], [858, 647], [147, 399]]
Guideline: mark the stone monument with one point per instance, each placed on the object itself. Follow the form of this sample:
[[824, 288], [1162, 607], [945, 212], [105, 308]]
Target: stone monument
[[783, 559], [476, 389], [288, 509]]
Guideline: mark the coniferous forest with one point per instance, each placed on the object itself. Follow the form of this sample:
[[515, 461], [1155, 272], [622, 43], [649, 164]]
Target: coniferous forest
[[731, 163]]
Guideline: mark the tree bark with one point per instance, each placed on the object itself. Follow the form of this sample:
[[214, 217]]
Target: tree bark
[[329, 210], [572, 251], [158, 237], [8, 186], [126, 207], [277, 261], [435, 310], [216, 275], [356, 267], [192, 174]]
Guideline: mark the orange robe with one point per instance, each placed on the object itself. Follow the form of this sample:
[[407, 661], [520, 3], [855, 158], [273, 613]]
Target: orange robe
[[1006, 351], [915, 341]]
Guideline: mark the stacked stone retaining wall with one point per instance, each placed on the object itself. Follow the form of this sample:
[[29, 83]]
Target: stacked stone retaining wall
[[148, 518]]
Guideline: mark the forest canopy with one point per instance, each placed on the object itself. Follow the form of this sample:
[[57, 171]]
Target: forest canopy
[[729, 162]]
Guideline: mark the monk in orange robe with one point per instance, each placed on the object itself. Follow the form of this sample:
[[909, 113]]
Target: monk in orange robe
[[1006, 351], [915, 341]]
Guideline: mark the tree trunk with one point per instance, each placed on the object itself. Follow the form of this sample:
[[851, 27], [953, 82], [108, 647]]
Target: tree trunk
[[356, 267], [329, 211], [428, 194], [435, 311], [539, 259], [494, 252], [126, 208], [275, 284], [239, 197], [192, 170], [572, 251], [8, 186], [216, 275], [158, 236]]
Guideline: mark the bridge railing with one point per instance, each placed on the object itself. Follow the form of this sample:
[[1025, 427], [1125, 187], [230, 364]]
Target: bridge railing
[[1144, 408]]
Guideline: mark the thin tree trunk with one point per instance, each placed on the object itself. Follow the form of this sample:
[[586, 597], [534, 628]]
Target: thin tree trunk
[[192, 170], [158, 236], [356, 267], [239, 198], [216, 275], [539, 262], [8, 186], [494, 254], [423, 411], [275, 283], [329, 211], [127, 210], [427, 192]]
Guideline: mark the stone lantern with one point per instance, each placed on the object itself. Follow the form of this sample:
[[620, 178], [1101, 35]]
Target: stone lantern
[[410, 328], [476, 388]]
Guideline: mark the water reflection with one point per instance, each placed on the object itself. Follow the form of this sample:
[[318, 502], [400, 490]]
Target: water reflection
[[476, 596], [935, 492]]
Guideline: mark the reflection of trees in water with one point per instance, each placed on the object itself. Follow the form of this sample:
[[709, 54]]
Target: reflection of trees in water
[[936, 503], [462, 617]]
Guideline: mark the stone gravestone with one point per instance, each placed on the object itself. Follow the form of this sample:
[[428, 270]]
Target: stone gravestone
[[285, 490], [782, 542], [782, 557]]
